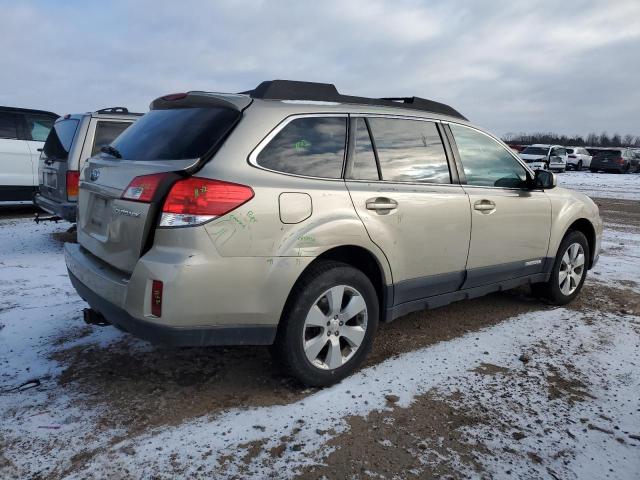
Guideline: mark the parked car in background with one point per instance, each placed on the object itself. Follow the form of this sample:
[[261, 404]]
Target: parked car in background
[[73, 139], [295, 216], [618, 160], [22, 135], [578, 158], [545, 157]]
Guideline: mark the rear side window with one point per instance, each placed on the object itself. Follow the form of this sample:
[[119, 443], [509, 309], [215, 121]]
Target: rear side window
[[364, 160], [38, 126], [570, 150], [106, 132], [409, 151], [311, 146], [175, 134], [8, 125], [60, 139]]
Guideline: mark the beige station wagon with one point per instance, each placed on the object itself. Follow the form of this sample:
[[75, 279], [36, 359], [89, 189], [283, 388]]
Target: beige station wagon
[[294, 216]]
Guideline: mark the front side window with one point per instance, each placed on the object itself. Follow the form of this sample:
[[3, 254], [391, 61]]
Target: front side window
[[38, 126], [485, 161], [310, 146], [8, 125], [409, 150], [364, 160], [106, 132]]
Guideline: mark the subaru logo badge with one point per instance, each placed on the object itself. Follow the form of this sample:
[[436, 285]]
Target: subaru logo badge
[[95, 173]]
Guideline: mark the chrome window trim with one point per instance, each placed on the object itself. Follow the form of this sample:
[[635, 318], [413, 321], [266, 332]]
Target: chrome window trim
[[253, 156]]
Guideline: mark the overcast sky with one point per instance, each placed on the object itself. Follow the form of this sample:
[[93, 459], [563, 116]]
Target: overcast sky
[[563, 66]]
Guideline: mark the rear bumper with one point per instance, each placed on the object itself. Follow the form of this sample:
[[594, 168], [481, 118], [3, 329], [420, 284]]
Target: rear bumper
[[65, 210], [189, 318], [174, 336]]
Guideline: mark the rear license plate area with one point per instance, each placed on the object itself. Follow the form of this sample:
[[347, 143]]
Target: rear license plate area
[[50, 179]]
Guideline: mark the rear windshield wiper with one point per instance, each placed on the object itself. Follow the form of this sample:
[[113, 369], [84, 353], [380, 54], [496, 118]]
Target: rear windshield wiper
[[111, 150]]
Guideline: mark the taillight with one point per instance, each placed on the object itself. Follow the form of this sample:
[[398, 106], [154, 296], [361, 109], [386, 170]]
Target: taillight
[[73, 178], [620, 160], [156, 298], [572, 156], [142, 189], [195, 200]]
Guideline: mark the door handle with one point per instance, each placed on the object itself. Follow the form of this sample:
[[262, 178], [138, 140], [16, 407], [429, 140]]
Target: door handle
[[484, 206], [381, 203]]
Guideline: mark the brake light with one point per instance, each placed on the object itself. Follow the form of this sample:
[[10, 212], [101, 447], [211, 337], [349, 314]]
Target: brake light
[[195, 200], [73, 179], [620, 160], [572, 156], [156, 298], [142, 189]]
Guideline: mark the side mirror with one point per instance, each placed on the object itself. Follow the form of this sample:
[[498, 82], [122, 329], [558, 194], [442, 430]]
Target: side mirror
[[544, 179]]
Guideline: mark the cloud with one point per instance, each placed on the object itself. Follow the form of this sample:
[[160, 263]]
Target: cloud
[[510, 66]]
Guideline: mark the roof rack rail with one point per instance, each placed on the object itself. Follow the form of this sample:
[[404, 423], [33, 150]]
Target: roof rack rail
[[113, 110], [327, 92]]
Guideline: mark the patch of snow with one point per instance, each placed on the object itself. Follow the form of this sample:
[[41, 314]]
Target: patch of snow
[[603, 185]]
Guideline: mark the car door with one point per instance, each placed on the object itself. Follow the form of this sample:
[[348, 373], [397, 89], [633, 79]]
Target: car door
[[510, 223], [16, 174], [403, 191]]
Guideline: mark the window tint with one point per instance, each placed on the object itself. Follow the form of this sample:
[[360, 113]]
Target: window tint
[[312, 146], [60, 139], [409, 151], [175, 133], [38, 126], [106, 132], [8, 125], [364, 160], [485, 161]]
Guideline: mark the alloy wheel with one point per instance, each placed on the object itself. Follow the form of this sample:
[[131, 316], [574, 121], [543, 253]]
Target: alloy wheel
[[335, 327], [571, 269]]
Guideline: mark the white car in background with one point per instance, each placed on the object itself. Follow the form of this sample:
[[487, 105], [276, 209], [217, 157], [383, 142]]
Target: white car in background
[[578, 158], [545, 157], [22, 135]]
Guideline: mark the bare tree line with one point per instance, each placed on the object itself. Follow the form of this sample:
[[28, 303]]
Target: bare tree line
[[591, 140]]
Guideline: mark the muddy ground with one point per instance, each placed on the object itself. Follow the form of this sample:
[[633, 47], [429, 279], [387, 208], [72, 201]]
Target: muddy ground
[[146, 388]]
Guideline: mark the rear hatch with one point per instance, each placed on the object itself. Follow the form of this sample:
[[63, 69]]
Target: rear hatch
[[122, 189], [54, 160], [608, 157]]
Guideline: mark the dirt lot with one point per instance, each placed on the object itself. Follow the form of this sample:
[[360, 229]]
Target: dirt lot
[[117, 392]]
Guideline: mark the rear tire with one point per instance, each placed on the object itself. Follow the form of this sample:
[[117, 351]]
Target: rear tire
[[327, 328], [579, 166], [593, 170], [569, 270]]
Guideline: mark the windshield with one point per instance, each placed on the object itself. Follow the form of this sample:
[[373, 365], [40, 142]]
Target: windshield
[[59, 140], [535, 151], [175, 134]]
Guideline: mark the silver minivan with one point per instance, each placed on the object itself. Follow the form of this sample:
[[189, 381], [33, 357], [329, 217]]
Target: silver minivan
[[72, 140], [294, 216]]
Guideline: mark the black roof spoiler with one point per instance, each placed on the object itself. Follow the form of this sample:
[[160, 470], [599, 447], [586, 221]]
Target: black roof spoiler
[[327, 92]]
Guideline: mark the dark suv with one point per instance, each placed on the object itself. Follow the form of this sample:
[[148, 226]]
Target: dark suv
[[620, 160]]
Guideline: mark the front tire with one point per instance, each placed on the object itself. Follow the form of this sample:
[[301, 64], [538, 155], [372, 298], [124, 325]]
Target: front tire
[[328, 325], [569, 270]]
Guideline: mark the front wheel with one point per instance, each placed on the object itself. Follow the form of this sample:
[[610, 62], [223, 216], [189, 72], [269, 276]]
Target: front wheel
[[569, 270], [328, 325]]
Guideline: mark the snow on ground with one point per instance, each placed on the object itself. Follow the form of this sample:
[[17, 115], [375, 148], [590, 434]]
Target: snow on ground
[[604, 185], [43, 427]]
